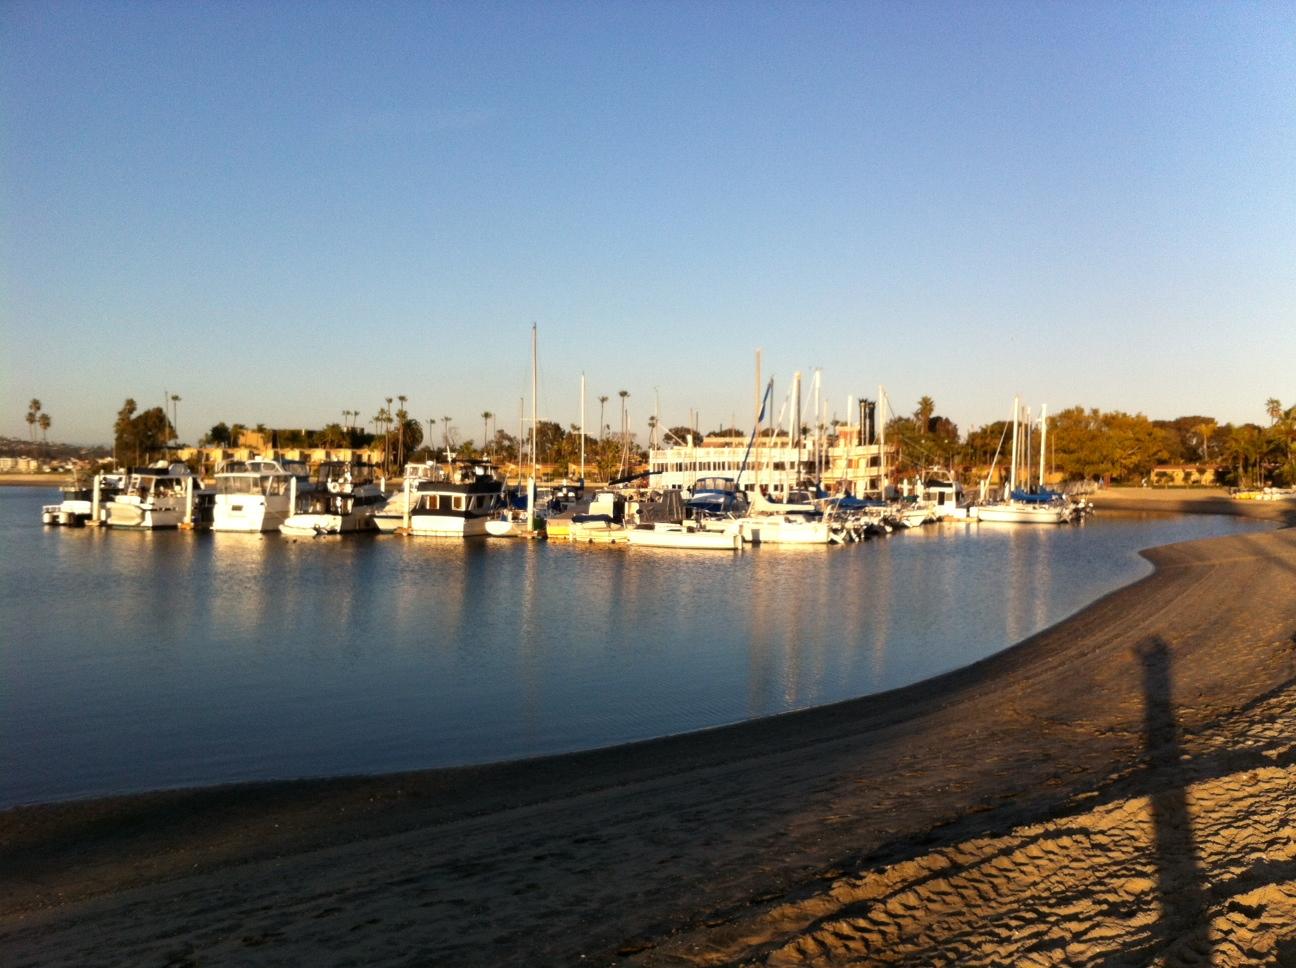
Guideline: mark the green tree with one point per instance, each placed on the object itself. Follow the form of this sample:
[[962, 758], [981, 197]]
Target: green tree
[[125, 444], [333, 435], [410, 436], [549, 439], [219, 435], [140, 436]]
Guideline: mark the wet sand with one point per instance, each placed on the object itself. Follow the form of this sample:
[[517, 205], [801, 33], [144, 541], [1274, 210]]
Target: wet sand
[[1119, 789]]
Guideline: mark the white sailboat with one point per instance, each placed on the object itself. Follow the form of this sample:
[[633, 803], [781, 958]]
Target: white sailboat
[[506, 523], [1024, 506]]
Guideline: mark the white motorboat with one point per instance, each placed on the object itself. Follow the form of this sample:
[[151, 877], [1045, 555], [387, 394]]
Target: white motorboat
[[457, 507], [257, 494], [392, 515], [914, 515], [154, 498], [794, 521], [784, 529], [602, 522], [79, 504], [686, 534], [343, 500]]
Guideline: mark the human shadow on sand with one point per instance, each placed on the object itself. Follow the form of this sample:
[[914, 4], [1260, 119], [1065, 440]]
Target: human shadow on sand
[[1181, 885]]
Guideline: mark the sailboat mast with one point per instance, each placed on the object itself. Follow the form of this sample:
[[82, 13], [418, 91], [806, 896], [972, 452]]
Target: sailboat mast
[[1026, 464], [1043, 438], [882, 454], [582, 459], [531, 484], [1012, 474]]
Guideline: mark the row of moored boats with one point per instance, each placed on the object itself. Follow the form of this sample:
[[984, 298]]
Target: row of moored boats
[[459, 499]]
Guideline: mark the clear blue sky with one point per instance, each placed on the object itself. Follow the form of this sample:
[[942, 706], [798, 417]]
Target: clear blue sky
[[281, 211]]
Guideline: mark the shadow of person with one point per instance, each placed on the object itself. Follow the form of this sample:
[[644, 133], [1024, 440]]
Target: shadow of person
[[1182, 892]]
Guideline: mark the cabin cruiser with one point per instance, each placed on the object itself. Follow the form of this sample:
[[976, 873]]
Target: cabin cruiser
[[392, 514], [944, 496], [457, 506], [257, 494], [156, 497], [79, 503], [343, 499]]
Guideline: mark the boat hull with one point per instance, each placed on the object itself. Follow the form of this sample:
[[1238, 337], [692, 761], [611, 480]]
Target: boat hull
[[143, 517], [1022, 514], [446, 526], [780, 531], [312, 525], [695, 540], [248, 512]]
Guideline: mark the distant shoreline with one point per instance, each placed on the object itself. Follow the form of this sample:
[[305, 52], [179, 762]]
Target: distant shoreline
[[35, 480]]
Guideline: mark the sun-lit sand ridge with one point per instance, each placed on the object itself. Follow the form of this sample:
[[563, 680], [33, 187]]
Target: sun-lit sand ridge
[[1115, 790]]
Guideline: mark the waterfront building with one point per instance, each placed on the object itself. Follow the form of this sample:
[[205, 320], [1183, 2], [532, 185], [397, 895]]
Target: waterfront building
[[776, 465]]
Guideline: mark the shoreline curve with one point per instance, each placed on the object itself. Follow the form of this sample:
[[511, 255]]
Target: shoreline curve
[[662, 851]]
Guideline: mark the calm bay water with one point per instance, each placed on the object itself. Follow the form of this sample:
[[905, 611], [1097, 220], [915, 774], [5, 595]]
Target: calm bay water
[[132, 661]]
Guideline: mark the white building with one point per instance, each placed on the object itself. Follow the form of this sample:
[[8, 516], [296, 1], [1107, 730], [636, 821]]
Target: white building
[[775, 465]]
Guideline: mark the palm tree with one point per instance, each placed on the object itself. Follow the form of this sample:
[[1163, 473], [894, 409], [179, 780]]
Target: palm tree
[[602, 400], [1205, 431], [1274, 409], [926, 407], [445, 432], [33, 414], [486, 415], [431, 422], [380, 427], [402, 415], [625, 440], [333, 435], [45, 422]]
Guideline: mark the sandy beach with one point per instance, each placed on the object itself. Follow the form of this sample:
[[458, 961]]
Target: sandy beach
[[1118, 789]]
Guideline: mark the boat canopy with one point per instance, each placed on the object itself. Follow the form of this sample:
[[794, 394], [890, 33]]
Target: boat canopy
[[1035, 497]]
